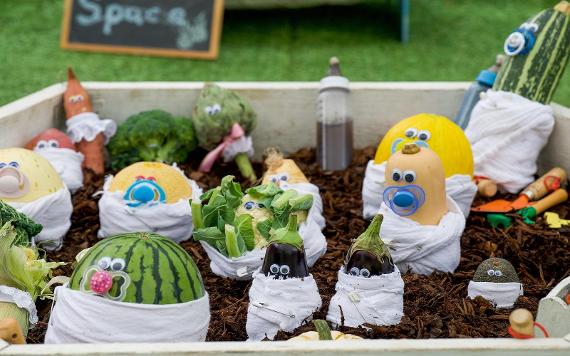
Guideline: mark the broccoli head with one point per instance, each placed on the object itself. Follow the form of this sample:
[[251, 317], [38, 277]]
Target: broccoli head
[[152, 136], [215, 113]]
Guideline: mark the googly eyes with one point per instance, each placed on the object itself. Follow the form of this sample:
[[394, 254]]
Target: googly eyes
[[104, 262], [274, 269], [278, 178], [284, 270], [118, 264], [495, 273], [250, 205], [396, 175], [53, 144], [74, 99], [2, 165], [41, 145], [411, 132], [409, 176], [14, 164], [355, 271], [424, 135], [530, 26], [212, 110]]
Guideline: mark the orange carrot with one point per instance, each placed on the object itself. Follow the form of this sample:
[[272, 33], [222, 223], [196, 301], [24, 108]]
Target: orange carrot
[[76, 101]]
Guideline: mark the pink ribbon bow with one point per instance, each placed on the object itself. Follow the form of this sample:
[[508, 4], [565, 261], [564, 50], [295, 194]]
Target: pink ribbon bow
[[235, 134]]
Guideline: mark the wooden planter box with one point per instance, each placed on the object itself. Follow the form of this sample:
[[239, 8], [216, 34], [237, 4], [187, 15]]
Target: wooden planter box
[[286, 113]]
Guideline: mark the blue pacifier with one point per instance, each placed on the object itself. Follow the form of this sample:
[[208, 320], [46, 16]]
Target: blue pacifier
[[144, 191], [405, 200], [521, 40]]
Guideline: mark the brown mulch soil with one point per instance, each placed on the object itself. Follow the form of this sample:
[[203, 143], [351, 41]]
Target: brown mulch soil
[[435, 306]]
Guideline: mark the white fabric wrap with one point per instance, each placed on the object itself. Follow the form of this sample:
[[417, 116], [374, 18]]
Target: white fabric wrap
[[424, 249], [507, 132], [170, 220], [22, 300], [243, 144], [53, 212], [460, 187], [378, 300], [86, 126], [67, 164], [279, 305], [79, 317], [502, 295]]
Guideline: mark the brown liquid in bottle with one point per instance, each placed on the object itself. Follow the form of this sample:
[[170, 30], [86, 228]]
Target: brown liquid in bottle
[[334, 145]]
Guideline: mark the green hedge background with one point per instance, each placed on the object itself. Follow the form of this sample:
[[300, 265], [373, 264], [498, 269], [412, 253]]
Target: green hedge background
[[451, 40]]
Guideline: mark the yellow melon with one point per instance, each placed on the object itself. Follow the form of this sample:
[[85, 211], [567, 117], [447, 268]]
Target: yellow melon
[[435, 132], [175, 185], [40, 177]]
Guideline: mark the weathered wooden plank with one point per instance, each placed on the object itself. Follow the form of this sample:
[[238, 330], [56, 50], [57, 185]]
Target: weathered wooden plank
[[433, 347]]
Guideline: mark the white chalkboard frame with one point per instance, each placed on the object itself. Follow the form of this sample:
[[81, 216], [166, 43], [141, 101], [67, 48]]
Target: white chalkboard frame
[[211, 53]]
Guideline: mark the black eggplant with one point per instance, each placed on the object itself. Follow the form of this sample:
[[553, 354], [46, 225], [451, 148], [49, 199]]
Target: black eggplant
[[285, 254], [369, 256]]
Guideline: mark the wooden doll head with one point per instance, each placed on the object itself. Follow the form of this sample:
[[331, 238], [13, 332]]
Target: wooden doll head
[[75, 99], [415, 185]]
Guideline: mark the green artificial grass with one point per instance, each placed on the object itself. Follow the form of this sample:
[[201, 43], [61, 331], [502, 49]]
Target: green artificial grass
[[451, 40]]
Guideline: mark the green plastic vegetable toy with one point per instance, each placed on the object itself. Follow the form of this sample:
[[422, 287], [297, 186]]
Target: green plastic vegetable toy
[[152, 136], [220, 118]]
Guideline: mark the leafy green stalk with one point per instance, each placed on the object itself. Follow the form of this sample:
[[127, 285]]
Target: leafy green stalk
[[232, 245], [245, 167], [370, 241], [288, 234], [323, 329], [25, 227], [197, 218], [281, 203]]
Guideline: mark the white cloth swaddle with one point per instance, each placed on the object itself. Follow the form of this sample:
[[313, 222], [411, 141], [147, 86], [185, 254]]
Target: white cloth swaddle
[[21, 299], [507, 132], [87, 125], [378, 300], [502, 295], [314, 241], [459, 187], [424, 249], [79, 317], [170, 220], [243, 144], [53, 212], [67, 164], [280, 305]]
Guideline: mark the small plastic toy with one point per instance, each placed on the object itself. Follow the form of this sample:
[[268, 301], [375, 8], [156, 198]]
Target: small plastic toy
[[497, 281], [422, 226], [148, 196], [554, 221], [30, 184], [370, 289], [84, 126], [59, 150], [283, 294], [224, 121], [437, 133], [136, 287]]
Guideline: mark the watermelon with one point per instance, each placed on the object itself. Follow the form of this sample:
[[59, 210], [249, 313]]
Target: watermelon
[[535, 71], [157, 270]]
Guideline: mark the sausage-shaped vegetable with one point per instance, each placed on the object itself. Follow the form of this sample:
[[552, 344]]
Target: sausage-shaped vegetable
[[369, 256], [285, 255]]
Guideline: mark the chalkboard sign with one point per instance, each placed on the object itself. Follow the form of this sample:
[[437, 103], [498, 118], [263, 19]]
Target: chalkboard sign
[[172, 28]]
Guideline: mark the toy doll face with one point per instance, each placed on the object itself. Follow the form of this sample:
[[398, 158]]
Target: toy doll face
[[144, 191], [107, 279], [13, 182], [496, 270], [403, 195], [76, 100], [284, 261], [420, 137]]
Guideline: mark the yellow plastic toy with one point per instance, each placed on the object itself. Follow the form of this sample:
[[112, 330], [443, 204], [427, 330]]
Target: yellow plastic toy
[[435, 132], [281, 170], [167, 183], [25, 176]]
